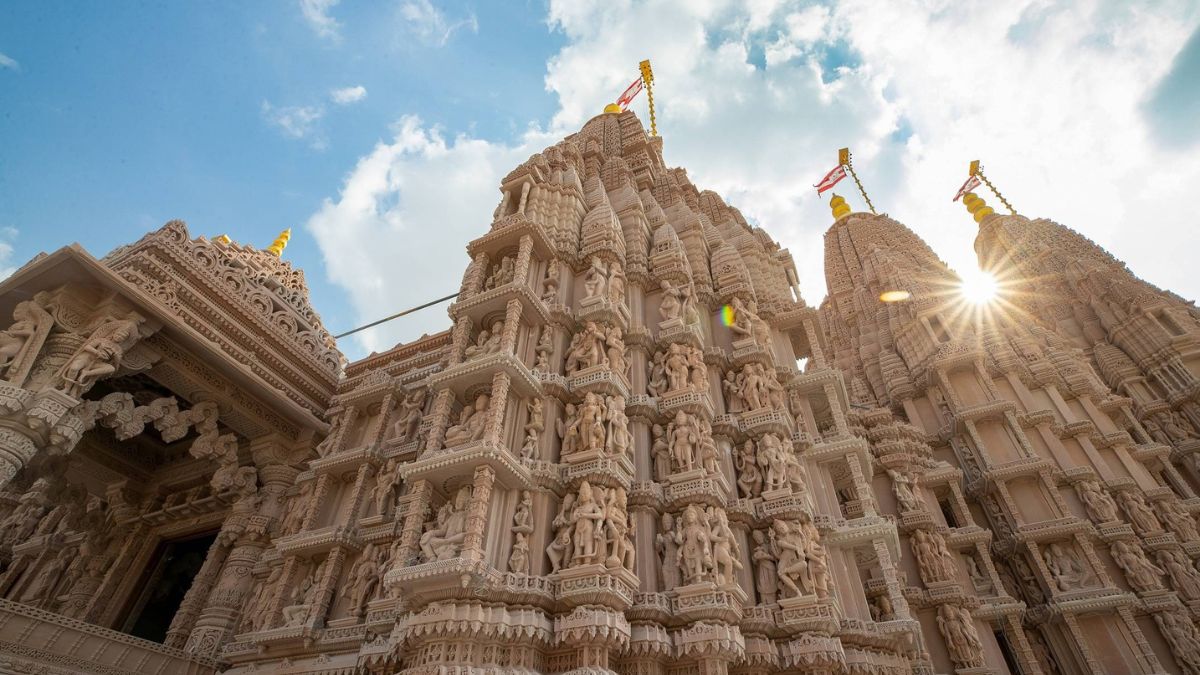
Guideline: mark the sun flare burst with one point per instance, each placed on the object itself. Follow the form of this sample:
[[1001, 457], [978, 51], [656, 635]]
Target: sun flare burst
[[978, 287]]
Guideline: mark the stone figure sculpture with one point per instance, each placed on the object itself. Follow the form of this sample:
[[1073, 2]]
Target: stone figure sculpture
[[443, 540], [595, 281], [363, 580], [534, 427], [683, 436], [933, 558], [587, 519], [656, 384], [409, 418], [1184, 578], [660, 452], [550, 283], [1139, 512], [387, 487], [725, 551], [20, 343], [956, 625], [668, 552], [472, 422], [1100, 507], [1143, 576], [297, 509], [560, 551], [99, 357], [695, 546], [1177, 519], [1068, 572], [906, 491], [544, 349], [765, 570], [750, 480], [1182, 636]]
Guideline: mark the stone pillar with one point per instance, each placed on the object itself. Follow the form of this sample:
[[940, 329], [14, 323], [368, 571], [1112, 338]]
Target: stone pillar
[[481, 494]]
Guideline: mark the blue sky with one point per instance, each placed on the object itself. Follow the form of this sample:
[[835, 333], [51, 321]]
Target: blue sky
[[120, 116], [379, 130]]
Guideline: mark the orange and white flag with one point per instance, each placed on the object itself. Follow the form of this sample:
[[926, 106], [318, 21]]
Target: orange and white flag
[[971, 184], [632, 91], [831, 178]]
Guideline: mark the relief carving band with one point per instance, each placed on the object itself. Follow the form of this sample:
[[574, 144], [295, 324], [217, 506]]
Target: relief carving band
[[635, 450]]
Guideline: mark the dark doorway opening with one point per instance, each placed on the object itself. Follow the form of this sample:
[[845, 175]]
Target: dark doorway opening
[[163, 586]]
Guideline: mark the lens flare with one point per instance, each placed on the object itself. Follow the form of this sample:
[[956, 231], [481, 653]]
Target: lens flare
[[727, 315], [978, 287]]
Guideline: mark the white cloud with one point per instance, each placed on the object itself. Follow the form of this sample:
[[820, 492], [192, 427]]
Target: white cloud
[[430, 25], [316, 13], [297, 122], [7, 236], [396, 235], [348, 95], [754, 99], [9, 62]]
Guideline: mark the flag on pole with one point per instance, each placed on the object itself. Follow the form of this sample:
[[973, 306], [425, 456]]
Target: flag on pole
[[627, 97], [831, 179], [971, 184]]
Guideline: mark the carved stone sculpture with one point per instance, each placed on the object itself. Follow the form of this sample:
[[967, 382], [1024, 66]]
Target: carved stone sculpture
[[1140, 514], [408, 419], [472, 422], [561, 549], [534, 427], [695, 546], [1143, 576], [443, 540], [933, 558], [668, 552], [595, 282], [765, 570], [550, 283], [100, 355], [1068, 572], [956, 625], [906, 491], [1100, 507], [1184, 577], [586, 520], [363, 580], [684, 437], [1178, 520], [750, 479]]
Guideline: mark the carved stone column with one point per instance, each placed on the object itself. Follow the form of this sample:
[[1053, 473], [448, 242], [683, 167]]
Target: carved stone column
[[481, 494], [198, 592]]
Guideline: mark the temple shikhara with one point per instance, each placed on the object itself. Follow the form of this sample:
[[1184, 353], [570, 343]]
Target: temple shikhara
[[637, 450]]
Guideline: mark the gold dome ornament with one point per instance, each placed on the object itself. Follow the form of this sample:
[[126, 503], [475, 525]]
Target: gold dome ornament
[[280, 243], [977, 206], [612, 108], [839, 206]]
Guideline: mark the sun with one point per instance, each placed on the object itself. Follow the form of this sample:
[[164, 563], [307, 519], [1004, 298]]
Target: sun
[[978, 287]]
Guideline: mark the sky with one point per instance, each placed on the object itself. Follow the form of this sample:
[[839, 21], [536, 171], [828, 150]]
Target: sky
[[379, 131]]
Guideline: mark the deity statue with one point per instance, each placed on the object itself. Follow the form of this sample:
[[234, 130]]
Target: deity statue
[[683, 437], [1139, 512], [444, 539], [668, 553], [765, 571], [1142, 574], [657, 382], [676, 366], [502, 274], [619, 440], [23, 339], [408, 421], [934, 559], [660, 451], [559, 551], [591, 414], [773, 462], [99, 357], [586, 349], [1182, 636], [732, 388], [518, 560], [550, 283], [671, 305], [297, 508], [791, 554], [1099, 505], [488, 341], [956, 625], [595, 281], [472, 422], [544, 349], [695, 546], [725, 551], [387, 487], [1178, 520], [587, 519], [615, 350], [258, 609], [750, 480], [697, 370], [616, 284], [534, 427], [617, 531], [741, 326], [1068, 573], [1184, 577], [905, 488], [363, 580]]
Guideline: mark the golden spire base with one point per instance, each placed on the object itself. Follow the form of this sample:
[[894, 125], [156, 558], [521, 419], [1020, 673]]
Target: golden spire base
[[978, 208], [839, 206], [612, 108], [280, 243]]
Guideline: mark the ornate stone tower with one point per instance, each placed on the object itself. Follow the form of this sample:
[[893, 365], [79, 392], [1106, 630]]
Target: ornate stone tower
[[636, 451]]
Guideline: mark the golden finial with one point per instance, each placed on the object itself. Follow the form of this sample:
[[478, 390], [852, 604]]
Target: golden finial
[[977, 206], [612, 108], [224, 239], [839, 206], [280, 243]]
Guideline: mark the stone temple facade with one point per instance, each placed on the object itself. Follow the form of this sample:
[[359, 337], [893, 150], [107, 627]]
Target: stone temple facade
[[636, 451]]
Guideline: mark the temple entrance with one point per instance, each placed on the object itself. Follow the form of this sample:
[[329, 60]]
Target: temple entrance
[[163, 586]]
